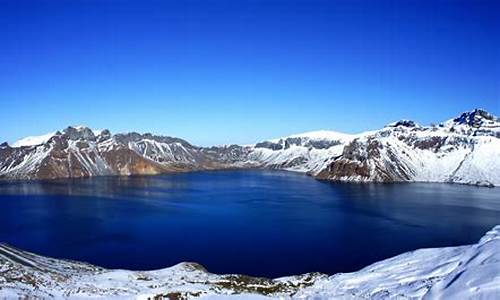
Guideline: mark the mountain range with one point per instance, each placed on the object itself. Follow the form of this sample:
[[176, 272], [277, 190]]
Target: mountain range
[[465, 149]]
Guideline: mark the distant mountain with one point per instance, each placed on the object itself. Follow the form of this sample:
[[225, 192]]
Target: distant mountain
[[465, 150]]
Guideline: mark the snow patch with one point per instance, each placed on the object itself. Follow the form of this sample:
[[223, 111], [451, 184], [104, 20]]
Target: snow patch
[[33, 140]]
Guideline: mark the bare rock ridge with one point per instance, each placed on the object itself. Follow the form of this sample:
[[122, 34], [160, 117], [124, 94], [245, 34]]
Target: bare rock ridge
[[465, 149]]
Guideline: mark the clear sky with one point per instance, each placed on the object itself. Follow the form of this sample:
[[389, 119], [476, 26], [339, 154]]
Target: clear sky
[[216, 72]]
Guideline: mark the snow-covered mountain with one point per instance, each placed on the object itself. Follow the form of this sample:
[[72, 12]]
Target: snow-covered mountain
[[465, 149], [464, 272], [81, 152]]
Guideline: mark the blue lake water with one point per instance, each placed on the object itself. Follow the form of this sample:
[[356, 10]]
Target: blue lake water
[[265, 223]]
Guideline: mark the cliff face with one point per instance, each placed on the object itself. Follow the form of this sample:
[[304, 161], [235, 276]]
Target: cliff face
[[465, 149]]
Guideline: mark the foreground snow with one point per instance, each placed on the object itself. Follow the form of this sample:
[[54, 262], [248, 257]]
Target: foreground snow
[[465, 272]]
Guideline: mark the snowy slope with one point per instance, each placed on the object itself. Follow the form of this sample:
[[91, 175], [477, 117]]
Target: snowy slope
[[33, 140], [306, 152], [465, 272], [482, 164]]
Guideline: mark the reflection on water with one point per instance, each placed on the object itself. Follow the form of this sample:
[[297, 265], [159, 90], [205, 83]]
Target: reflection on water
[[267, 223], [106, 187]]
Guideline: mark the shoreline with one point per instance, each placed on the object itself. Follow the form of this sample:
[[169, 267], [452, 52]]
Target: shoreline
[[468, 271]]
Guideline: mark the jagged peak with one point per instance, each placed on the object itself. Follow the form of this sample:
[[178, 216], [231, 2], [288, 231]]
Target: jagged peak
[[86, 128], [77, 128], [71, 132], [79, 132], [475, 117], [85, 132], [403, 123]]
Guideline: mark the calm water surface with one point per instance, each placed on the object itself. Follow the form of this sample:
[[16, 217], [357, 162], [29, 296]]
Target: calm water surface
[[266, 223]]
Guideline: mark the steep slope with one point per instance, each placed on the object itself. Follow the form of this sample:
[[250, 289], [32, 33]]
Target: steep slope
[[465, 272]]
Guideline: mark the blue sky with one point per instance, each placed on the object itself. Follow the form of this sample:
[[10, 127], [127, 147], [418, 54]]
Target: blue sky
[[217, 72]]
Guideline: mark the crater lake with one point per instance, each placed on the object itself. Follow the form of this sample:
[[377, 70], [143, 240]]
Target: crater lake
[[255, 222]]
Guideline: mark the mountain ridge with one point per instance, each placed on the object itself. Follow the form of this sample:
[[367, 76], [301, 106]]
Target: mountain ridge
[[464, 149]]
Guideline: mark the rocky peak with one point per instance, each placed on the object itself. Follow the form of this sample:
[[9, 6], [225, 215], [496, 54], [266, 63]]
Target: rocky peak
[[103, 135], [475, 118], [403, 123], [79, 133]]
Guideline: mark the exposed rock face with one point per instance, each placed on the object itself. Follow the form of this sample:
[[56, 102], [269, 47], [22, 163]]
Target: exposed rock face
[[78, 152], [404, 123], [465, 149], [476, 118]]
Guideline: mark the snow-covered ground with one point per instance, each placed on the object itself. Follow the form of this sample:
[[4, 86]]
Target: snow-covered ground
[[465, 272]]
